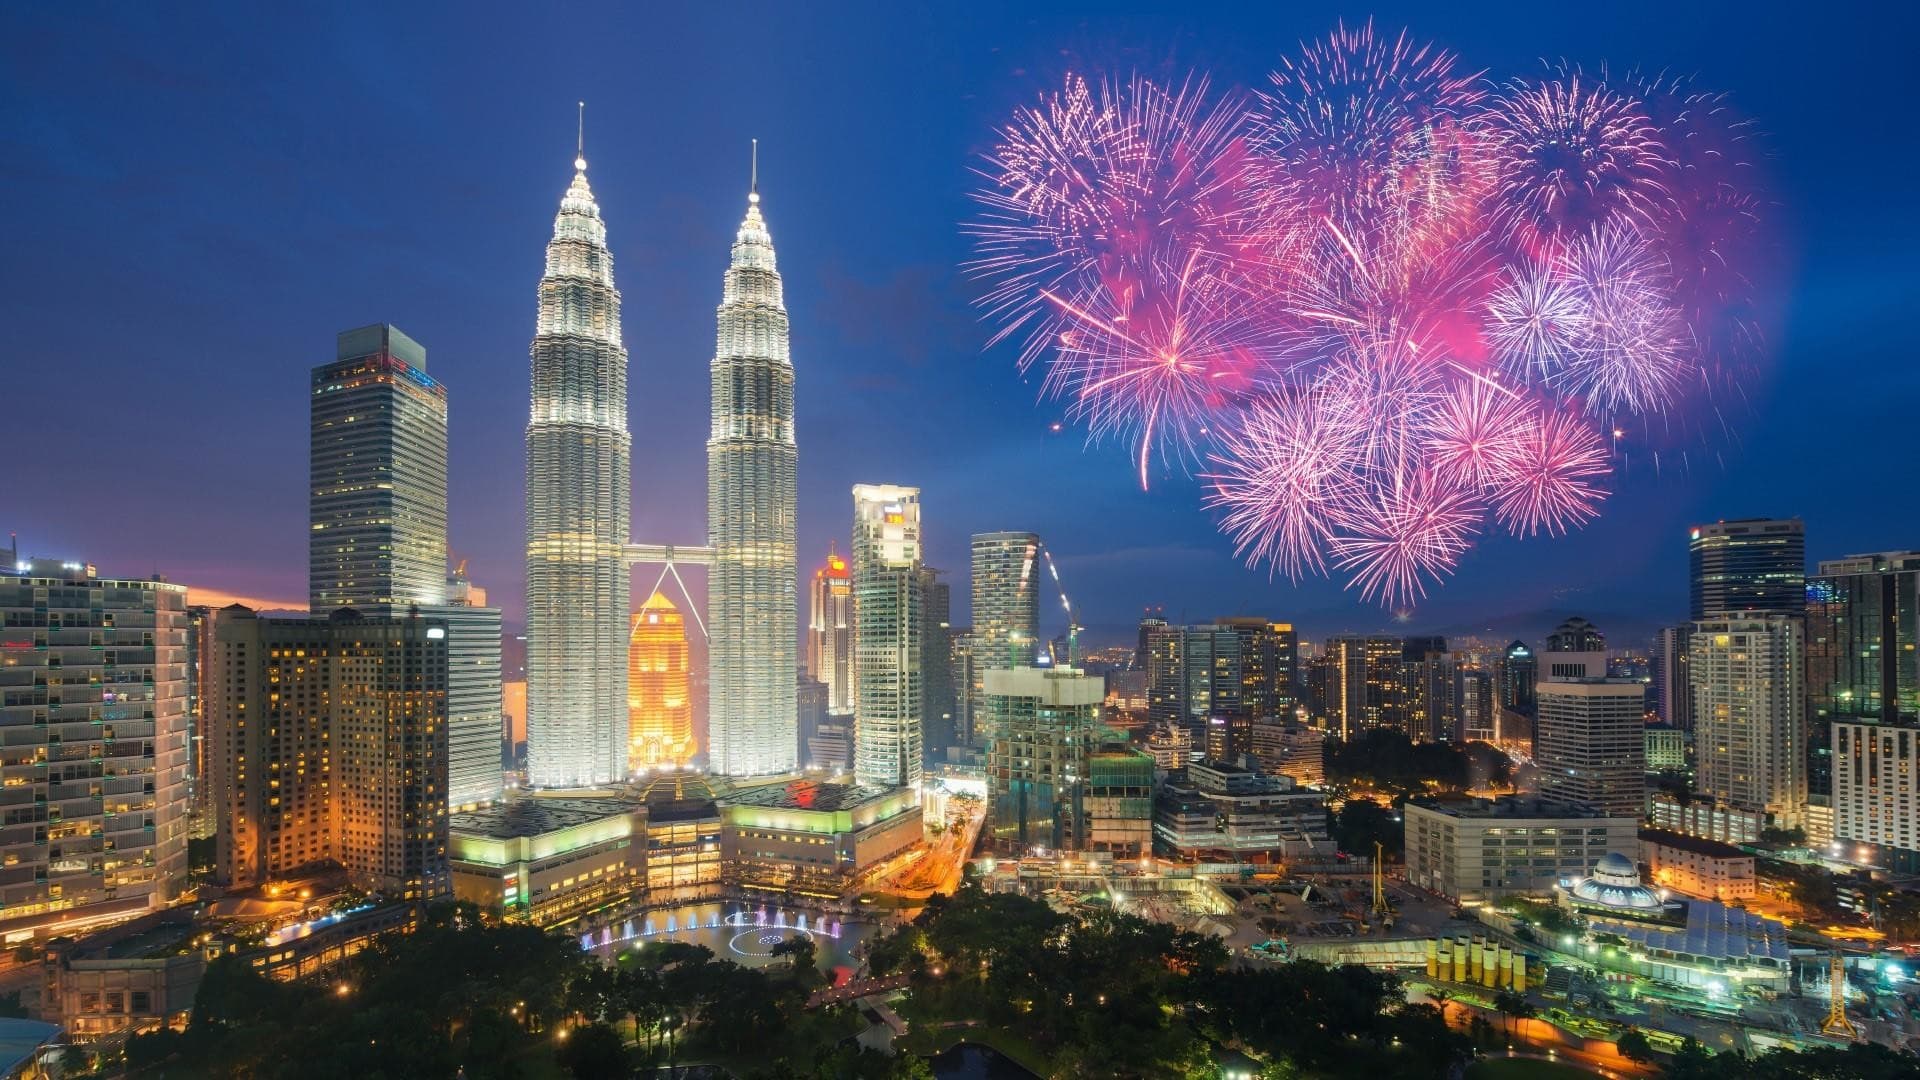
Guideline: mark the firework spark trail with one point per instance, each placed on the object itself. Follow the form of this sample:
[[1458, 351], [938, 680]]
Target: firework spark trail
[[1386, 302]]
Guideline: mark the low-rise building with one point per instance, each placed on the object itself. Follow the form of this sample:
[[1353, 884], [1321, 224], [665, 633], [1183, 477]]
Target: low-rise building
[[137, 977], [814, 839], [1666, 748], [1231, 811], [1707, 869], [1704, 818], [1119, 801], [1294, 750], [1482, 849], [548, 860]]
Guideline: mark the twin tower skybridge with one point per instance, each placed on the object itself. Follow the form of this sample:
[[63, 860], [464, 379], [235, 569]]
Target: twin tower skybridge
[[667, 557]]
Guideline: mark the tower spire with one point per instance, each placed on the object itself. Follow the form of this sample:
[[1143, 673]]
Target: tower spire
[[580, 141], [753, 182]]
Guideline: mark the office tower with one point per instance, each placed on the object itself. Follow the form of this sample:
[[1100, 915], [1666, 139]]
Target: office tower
[[830, 631], [1194, 675], [1042, 725], [1148, 624], [936, 664], [93, 700], [1590, 744], [378, 526], [328, 742], [659, 700], [1863, 629], [751, 460], [377, 464], [887, 624], [1671, 697], [1876, 785], [1266, 667], [962, 673], [474, 697], [578, 489], [1576, 650], [810, 714], [1754, 566], [1519, 671], [1748, 702], [1006, 604]]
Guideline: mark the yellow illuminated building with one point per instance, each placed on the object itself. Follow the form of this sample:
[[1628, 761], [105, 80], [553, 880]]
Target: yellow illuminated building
[[659, 710]]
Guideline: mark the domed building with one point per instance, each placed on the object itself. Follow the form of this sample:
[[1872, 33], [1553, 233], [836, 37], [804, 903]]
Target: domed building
[[1614, 888]]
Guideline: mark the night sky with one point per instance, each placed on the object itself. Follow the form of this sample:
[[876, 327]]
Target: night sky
[[192, 206]]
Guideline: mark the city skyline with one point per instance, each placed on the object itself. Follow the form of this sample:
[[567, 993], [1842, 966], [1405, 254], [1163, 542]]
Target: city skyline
[[881, 311]]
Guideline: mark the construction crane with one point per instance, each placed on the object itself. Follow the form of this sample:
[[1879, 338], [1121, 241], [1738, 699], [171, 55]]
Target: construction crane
[[1073, 624], [1836, 1023], [1381, 908]]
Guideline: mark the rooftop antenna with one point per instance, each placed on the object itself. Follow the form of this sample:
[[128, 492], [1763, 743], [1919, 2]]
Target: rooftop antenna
[[753, 183], [580, 141]]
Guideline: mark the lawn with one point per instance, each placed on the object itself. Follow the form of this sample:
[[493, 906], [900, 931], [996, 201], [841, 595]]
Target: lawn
[[926, 1016], [1525, 1069]]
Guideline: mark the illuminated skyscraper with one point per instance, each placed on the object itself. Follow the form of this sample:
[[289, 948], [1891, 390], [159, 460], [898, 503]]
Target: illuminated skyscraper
[[1006, 598], [1749, 714], [377, 466], [659, 707], [751, 458], [578, 488], [830, 632], [888, 620], [1753, 566]]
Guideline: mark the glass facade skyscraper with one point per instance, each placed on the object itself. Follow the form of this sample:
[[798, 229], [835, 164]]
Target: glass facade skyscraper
[[1754, 566], [888, 620], [377, 464], [830, 632], [578, 491], [751, 460], [1863, 630]]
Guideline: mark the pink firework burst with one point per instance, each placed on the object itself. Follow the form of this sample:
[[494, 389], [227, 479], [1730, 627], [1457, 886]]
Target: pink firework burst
[[1554, 480], [1283, 480], [1475, 433], [1407, 531], [1573, 153], [1630, 354]]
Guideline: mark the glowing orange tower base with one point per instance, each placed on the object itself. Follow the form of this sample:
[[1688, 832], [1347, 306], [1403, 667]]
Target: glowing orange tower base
[[659, 708]]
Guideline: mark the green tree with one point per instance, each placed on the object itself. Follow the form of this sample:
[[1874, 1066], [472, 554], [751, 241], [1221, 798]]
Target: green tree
[[594, 1052], [1633, 1046]]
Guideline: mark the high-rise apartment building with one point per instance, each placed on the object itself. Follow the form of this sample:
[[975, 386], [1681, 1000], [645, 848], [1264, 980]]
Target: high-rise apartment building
[[1194, 675], [378, 530], [1590, 744], [1748, 710], [377, 466], [936, 664], [579, 487], [1876, 790], [830, 631], [93, 700], [1754, 566], [1672, 699], [659, 699], [1361, 678], [1005, 587], [199, 667], [1863, 630], [751, 463], [963, 671], [1267, 667], [888, 622], [1043, 724], [1421, 701], [328, 742]]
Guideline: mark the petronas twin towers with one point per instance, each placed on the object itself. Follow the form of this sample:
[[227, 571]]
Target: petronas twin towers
[[578, 483]]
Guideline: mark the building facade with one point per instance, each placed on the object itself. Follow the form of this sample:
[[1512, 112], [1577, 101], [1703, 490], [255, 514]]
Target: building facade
[[810, 839], [1484, 849], [1194, 674], [328, 743], [659, 697], [1875, 801], [475, 693], [579, 487], [1863, 630], [1753, 566], [548, 861], [1268, 667], [751, 463], [1230, 811], [1748, 715], [1519, 671], [830, 631], [1672, 696], [1042, 724], [1590, 744], [937, 724], [93, 700], [888, 620], [1707, 869], [1119, 801], [1004, 584]]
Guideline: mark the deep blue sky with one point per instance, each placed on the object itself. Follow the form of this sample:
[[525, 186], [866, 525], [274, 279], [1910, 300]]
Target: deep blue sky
[[193, 199]]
